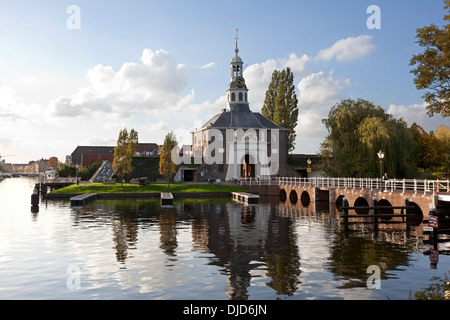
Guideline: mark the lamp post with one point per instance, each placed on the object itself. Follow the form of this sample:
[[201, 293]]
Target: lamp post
[[381, 156], [77, 166], [309, 167]]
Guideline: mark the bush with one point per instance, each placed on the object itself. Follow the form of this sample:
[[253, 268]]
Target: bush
[[436, 291]]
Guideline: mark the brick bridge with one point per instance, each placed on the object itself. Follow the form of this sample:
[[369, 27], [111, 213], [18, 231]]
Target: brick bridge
[[421, 194]]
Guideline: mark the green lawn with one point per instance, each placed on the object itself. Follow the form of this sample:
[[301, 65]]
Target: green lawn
[[133, 188]]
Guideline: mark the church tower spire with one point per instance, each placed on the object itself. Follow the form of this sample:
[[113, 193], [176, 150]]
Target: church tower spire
[[237, 89]]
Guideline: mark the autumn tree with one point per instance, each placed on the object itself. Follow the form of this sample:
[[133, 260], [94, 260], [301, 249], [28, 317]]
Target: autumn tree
[[358, 129], [127, 146], [430, 152], [443, 134], [280, 104], [167, 167], [52, 162], [432, 66]]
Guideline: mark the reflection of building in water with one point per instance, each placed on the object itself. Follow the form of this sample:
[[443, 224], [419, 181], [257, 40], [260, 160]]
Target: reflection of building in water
[[246, 239]]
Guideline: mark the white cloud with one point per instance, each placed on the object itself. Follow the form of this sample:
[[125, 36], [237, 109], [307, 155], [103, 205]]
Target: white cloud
[[153, 85], [319, 92], [16, 109], [348, 49], [259, 75], [208, 65], [417, 113]]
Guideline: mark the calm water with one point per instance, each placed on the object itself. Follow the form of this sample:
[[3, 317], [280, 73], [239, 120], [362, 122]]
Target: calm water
[[199, 249]]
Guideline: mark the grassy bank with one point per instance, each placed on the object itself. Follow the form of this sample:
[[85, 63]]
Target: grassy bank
[[133, 188]]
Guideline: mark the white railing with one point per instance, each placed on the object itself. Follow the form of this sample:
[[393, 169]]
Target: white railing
[[404, 185]]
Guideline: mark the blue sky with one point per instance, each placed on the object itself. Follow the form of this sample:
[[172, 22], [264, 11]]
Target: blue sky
[[159, 66]]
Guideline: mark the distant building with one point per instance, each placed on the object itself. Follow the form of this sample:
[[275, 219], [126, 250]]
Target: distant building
[[88, 155]]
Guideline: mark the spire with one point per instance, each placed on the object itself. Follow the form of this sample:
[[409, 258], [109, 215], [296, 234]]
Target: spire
[[236, 38]]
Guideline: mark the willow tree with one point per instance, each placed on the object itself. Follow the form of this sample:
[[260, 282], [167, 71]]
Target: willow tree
[[432, 66], [357, 131], [280, 104], [127, 146], [167, 167]]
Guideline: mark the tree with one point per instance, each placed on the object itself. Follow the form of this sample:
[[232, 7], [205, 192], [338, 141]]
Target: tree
[[430, 152], [280, 104], [432, 67], [127, 146], [443, 134], [52, 162], [357, 131], [167, 167]]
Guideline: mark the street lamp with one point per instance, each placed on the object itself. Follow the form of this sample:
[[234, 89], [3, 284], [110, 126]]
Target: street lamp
[[77, 166], [381, 156], [309, 167]]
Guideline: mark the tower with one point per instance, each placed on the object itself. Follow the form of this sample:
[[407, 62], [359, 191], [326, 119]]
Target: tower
[[239, 143], [237, 89]]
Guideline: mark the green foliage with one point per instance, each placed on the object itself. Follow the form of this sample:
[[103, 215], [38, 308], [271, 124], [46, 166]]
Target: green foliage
[[432, 67], [430, 152], [65, 170], [443, 134], [146, 167], [357, 131], [280, 104], [127, 146], [440, 290], [167, 167]]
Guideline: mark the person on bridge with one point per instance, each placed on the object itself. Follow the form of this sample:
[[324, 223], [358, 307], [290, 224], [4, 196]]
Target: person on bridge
[[385, 177]]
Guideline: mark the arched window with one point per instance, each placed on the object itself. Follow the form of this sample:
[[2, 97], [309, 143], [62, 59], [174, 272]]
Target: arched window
[[240, 96], [246, 97], [233, 96]]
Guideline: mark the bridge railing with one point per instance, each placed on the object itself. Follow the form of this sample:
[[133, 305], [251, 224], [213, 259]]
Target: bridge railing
[[411, 185]]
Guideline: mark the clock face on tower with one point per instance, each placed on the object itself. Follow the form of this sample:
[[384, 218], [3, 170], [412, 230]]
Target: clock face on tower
[[240, 82]]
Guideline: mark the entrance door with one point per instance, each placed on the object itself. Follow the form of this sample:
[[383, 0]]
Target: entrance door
[[247, 168]]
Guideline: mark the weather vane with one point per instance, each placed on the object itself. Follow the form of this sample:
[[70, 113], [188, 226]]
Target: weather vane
[[236, 38]]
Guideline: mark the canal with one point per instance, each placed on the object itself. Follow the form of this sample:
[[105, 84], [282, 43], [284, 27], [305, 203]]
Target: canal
[[199, 250]]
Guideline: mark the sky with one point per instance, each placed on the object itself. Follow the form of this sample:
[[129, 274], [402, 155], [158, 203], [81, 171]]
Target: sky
[[75, 73]]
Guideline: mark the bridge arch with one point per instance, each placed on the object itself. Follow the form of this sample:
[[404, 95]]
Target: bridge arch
[[387, 204], [305, 198], [293, 197], [283, 195], [339, 201], [361, 202], [417, 219]]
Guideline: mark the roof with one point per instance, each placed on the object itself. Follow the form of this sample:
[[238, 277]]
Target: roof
[[241, 119]]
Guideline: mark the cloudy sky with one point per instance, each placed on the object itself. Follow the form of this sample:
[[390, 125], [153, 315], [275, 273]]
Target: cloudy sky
[[77, 72]]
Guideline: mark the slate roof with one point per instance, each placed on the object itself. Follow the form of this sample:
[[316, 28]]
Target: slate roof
[[241, 119]]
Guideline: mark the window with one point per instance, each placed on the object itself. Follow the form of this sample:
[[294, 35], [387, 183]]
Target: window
[[240, 96], [233, 96]]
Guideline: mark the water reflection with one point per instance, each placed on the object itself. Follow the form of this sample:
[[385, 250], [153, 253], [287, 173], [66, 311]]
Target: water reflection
[[247, 242], [208, 249]]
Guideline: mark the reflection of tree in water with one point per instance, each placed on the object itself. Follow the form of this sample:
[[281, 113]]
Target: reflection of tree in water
[[168, 231], [124, 227], [282, 256], [124, 216], [351, 257], [244, 238]]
